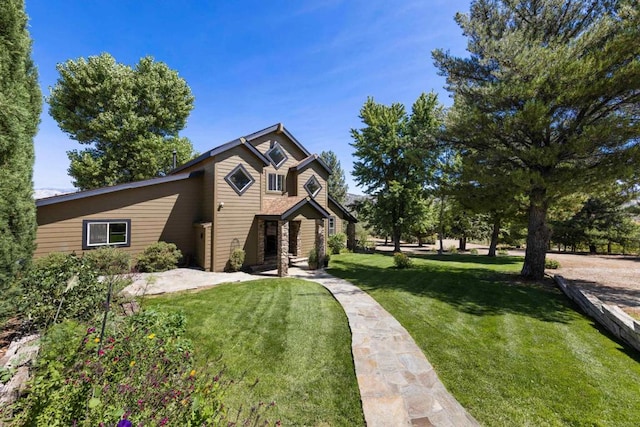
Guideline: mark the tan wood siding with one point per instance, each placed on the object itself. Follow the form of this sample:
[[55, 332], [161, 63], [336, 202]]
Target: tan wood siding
[[235, 224], [159, 212], [294, 154], [321, 175]]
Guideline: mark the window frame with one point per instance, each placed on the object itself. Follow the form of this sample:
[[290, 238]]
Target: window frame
[[307, 184], [276, 145], [86, 234], [331, 226], [239, 191], [279, 178]]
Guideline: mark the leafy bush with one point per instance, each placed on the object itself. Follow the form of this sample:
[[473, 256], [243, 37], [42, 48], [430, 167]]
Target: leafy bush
[[313, 259], [502, 252], [452, 249], [142, 371], [161, 256], [551, 264], [473, 251], [337, 242], [401, 260], [61, 285], [108, 260], [236, 260]]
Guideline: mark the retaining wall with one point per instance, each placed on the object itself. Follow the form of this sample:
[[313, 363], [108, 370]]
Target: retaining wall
[[611, 317]]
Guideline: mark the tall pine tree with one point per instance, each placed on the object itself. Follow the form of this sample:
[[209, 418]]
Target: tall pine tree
[[337, 185], [551, 94], [20, 106]]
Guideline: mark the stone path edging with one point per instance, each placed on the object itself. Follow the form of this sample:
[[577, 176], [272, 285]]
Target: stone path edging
[[398, 385]]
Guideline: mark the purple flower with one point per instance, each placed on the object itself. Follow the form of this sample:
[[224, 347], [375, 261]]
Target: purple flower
[[124, 423]]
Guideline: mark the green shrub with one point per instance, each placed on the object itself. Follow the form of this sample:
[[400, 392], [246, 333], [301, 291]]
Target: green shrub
[[551, 264], [313, 259], [108, 261], [473, 251], [401, 260], [61, 285], [143, 371], [452, 249], [161, 256], [236, 260], [337, 242], [502, 252]]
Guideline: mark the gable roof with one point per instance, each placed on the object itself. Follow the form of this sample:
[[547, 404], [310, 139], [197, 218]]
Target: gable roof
[[310, 159], [119, 187], [278, 128], [285, 207], [245, 140], [221, 149], [346, 213]]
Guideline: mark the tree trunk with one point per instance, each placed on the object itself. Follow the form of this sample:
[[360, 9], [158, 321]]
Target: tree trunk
[[592, 249], [420, 242], [537, 237], [609, 248], [386, 240], [396, 239], [495, 233], [462, 243], [441, 221]]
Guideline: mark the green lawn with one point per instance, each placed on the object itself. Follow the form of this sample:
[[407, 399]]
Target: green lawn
[[512, 353], [290, 335]]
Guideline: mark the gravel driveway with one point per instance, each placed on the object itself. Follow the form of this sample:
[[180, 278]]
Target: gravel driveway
[[612, 278]]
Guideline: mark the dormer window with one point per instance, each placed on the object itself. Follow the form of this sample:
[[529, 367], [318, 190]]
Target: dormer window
[[276, 155], [312, 186], [239, 179]]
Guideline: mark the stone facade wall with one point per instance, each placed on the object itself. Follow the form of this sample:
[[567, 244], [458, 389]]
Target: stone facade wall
[[611, 317]]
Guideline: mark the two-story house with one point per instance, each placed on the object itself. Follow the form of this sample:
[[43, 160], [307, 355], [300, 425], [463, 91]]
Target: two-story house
[[263, 193]]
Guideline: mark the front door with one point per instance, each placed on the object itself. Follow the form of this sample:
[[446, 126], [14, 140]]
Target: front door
[[270, 239]]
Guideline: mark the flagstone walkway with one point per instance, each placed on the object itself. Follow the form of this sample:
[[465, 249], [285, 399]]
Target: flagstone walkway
[[398, 385]]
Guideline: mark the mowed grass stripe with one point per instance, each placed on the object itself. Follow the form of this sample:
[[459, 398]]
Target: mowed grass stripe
[[512, 353], [290, 335]]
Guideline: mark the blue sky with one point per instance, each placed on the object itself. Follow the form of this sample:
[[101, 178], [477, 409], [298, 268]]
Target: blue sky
[[308, 64]]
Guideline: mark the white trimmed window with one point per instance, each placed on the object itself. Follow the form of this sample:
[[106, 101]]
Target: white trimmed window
[[239, 179], [276, 155], [313, 186], [113, 232], [275, 182], [332, 225]]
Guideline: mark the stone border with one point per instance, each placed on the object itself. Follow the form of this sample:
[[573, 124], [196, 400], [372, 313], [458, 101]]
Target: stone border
[[611, 317]]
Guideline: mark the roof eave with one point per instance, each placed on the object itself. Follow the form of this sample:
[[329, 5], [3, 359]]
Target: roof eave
[[112, 189]]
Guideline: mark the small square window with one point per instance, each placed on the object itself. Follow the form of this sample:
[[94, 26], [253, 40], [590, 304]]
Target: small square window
[[312, 186], [276, 155], [239, 179], [276, 182], [96, 233]]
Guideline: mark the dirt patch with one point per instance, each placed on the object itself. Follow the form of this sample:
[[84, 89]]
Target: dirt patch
[[615, 279]]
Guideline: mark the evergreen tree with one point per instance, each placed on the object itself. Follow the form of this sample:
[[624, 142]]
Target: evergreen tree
[[337, 185], [20, 106], [396, 153], [129, 118], [550, 94]]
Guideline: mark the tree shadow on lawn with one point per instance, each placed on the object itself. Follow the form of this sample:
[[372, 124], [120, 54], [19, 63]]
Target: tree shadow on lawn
[[476, 291]]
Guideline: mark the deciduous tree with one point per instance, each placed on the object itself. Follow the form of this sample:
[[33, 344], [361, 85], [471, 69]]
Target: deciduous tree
[[128, 117], [396, 152], [551, 93], [20, 106]]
